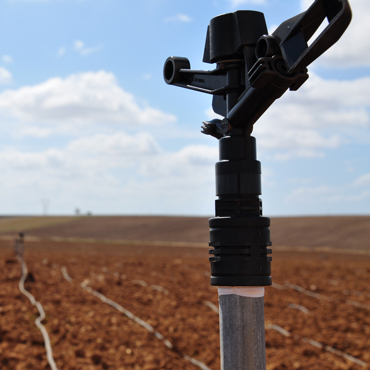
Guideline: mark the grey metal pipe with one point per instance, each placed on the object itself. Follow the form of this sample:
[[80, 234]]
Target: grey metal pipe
[[242, 333]]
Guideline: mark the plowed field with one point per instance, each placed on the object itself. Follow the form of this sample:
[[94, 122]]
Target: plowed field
[[317, 314]]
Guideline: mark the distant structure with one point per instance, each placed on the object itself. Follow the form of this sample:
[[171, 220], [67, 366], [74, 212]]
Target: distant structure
[[45, 205], [19, 244]]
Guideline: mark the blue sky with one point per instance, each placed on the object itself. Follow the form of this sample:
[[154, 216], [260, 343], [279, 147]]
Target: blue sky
[[86, 120]]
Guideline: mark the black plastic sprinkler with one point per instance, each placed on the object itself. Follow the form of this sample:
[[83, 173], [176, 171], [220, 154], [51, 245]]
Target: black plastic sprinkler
[[253, 69]]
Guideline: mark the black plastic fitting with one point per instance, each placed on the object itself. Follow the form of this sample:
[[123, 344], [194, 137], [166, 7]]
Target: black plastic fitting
[[239, 234], [228, 34], [172, 67]]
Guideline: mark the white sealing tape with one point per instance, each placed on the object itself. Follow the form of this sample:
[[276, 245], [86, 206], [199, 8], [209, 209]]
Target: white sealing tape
[[244, 291]]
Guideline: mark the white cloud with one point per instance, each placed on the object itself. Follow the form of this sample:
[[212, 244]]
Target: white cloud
[[121, 173], [353, 195], [180, 17], [323, 114], [14, 160], [80, 98], [7, 59], [113, 148], [34, 131], [5, 76], [37, 1], [324, 192], [80, 47], [61, 52], [140, 152], [363, 181], [353, 49], [29, 1], [237, 3], [336, 195], [191, 160]]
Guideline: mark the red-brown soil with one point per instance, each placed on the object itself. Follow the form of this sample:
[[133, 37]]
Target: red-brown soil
[[86, 333], [338, 232], [171, 229], [343, 232]]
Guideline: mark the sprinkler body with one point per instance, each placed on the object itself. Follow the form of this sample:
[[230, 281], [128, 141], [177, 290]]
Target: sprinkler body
[[253, 69]]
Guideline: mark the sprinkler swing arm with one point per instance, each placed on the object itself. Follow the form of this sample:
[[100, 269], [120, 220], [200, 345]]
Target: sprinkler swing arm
[[254, 68]]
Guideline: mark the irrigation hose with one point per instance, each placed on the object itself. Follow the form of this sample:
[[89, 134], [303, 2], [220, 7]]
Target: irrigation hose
[[49, 351], [131, 316]]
